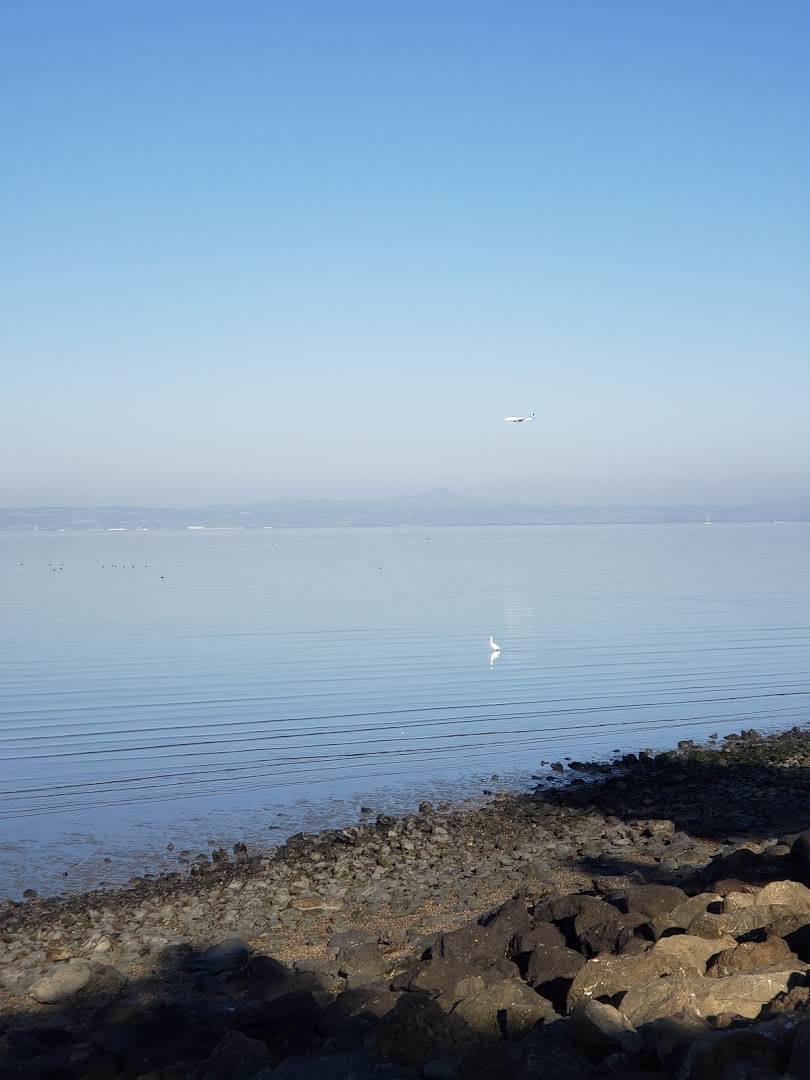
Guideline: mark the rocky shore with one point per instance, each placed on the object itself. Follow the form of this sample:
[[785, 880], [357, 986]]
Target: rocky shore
[[650, 918]]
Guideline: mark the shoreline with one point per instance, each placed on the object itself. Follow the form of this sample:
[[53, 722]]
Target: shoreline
[[398, 881]]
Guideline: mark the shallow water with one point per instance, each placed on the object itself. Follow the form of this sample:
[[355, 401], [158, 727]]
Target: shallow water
[[190, 686]]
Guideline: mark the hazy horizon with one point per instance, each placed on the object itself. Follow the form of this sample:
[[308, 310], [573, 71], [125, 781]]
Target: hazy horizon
[[314, 250], [427, 497]]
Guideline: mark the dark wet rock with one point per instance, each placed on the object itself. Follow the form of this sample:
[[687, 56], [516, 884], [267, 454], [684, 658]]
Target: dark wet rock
[[526, 941], [510, 919]]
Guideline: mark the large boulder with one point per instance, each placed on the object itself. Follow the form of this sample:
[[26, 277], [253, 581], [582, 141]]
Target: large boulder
[[443, 978], [71, 977], [507, 1010], [693, 953], [609, 976], [599, 1030], [677, 919], [550, 972], [791, 894], [742, 921], [749, 955], [652, 900], [743, 994]]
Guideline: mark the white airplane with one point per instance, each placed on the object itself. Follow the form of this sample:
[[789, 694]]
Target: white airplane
[[518, 419]]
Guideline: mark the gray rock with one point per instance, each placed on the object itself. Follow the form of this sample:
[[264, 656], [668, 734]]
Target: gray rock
[[66, 980]]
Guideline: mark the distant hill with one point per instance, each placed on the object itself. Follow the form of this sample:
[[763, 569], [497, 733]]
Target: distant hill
[[437, 507]]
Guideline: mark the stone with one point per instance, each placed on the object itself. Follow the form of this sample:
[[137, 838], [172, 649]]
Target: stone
[[599, 1030], [508, 1010], [742, 994], [542, 933], [791, 894], [551, 971], [237, 1057], [652, 900], [611, 934], [748, 955], [607, 976], [350, 1065], [736, 1054], [800, 848], [511, 918], [739, 922], [228, 955], [799, 1063], [66, 980], [680, 917], [444, 978], [693, 953], [362, 962], [416, 1031], [365, 1001], [473, 944]]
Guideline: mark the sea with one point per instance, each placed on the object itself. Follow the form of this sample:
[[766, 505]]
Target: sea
[[163, 693]]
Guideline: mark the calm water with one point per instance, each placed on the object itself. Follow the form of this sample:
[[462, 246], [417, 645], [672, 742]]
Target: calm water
[[200, 686]]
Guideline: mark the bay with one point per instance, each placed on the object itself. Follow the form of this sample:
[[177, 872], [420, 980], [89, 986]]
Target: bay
[[201, 687]]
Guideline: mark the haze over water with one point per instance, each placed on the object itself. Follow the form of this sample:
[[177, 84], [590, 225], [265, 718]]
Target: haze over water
[[190, 686]]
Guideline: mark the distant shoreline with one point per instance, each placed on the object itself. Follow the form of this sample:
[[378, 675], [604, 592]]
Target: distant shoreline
[[383, 514]]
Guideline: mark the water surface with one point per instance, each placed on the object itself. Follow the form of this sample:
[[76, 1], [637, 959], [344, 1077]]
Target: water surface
[[200, 685]]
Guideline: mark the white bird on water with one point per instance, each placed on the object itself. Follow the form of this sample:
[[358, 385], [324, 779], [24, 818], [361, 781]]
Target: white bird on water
[[494, 645], [518, 419]]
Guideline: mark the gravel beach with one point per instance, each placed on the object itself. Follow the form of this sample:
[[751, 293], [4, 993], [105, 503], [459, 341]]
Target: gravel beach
[[449, 943]]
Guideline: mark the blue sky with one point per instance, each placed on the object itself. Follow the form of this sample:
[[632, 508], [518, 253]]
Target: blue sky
[[297, 247]]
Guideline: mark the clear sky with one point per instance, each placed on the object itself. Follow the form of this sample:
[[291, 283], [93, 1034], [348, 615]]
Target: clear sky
[[259, 248]]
